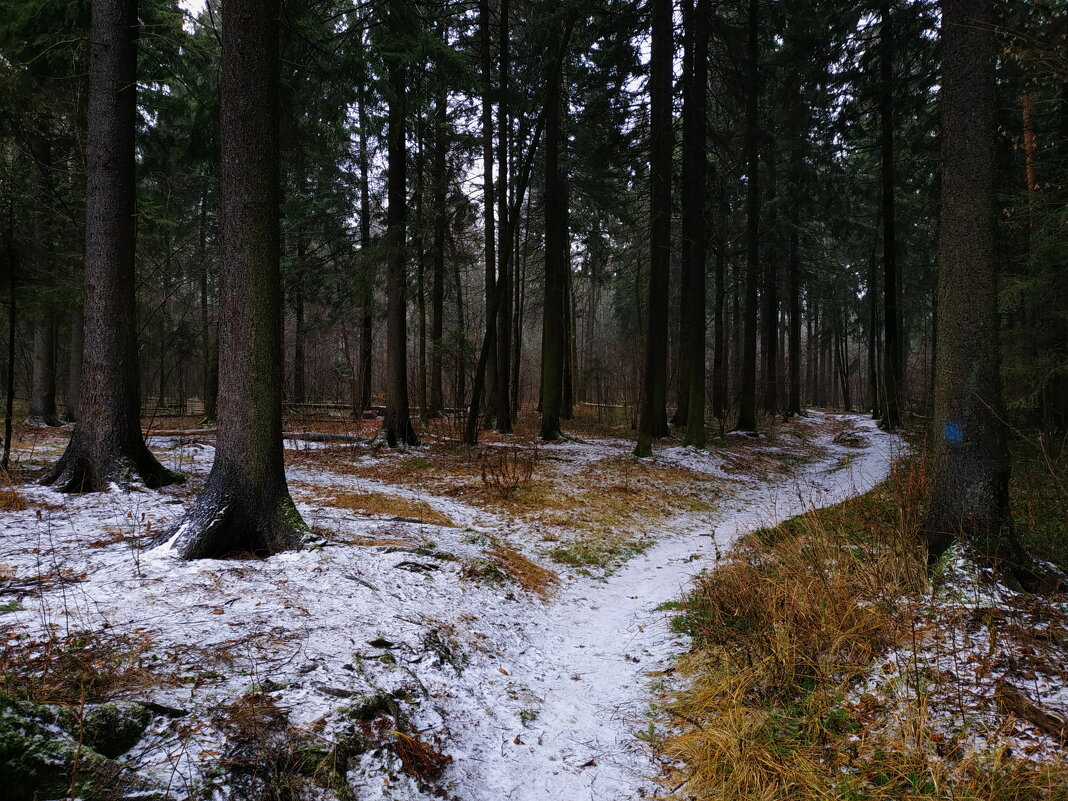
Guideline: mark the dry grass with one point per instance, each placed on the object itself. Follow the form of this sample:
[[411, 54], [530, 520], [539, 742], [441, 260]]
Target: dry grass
[[782, 634], [10, 499], [530, 576], [378, 504], [73, 668]]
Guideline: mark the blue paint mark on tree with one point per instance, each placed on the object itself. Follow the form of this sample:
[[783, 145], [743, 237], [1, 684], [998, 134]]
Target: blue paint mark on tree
[[954, 433]]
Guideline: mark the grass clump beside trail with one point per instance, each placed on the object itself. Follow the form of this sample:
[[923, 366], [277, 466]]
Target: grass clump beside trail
[[811, 674]]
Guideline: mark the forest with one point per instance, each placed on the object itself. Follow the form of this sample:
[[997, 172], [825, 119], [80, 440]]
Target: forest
[[531, 399]]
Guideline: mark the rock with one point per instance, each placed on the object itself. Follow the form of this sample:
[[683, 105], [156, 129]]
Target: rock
[[113, 729]]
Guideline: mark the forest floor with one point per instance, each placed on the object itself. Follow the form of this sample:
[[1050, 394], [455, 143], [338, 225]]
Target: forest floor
[[477, 625]]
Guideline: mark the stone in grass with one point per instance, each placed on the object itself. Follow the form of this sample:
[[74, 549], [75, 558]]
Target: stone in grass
[[39, 755], [113, 729]]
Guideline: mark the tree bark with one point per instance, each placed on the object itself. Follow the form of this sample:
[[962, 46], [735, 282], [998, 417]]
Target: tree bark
[[107, 445], [397, 424], [747, 408], [245, 506], [74, 365], [488, 211], [970, 472], [695, 189], [505, 231], [367, 264], [43, 410], [552, 333], [652, 416], [891, 409], [437, 290]]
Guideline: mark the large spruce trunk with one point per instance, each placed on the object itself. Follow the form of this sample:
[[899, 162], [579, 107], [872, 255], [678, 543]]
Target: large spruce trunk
[[107, 446], [652, 416], [245, 506], [970, 473]]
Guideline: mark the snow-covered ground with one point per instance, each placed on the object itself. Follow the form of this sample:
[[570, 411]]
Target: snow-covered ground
[[531, 698]]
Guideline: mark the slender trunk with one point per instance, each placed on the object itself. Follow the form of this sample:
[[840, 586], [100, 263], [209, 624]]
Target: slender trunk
[[74, 365], [770, 300], [793, 269], [460, 396], [694, 223], [107, 445], [652, 417], [504, 321], [298, 326], [719, 320], [12, 319], [367, 264], [397, 424], [891, 418], [488, 211], [43, 410], [873, 339], [552, 333], [209, 351], [747, 411], [437, 291]]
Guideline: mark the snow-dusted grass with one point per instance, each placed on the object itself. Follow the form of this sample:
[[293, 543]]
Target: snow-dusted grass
[[828, 663], [452, 631]]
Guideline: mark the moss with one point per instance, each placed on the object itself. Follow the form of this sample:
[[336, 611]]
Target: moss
[[113, 729]]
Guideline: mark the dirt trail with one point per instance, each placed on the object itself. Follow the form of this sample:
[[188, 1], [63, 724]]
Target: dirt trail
[[585, 666]]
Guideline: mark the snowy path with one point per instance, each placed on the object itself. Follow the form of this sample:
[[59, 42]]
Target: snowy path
[[586, 664], [533, 700]]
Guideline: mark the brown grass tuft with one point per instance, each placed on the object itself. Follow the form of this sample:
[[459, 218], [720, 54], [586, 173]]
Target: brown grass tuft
[[530, 576], [10, 499], [419, 758]]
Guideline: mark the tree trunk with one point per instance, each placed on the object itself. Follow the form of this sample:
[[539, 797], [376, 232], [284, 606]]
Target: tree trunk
[[719, 318], [209, 350], [488, 211], [891, 409], [437, 290], [43, 410], [506, 233], [552, 333], [367, 263], [770, 299], [245, 506], [74, 365], [652, 416], [397, 424], [970, 489], [694, 223], [873, 342], [747, 408], [107, 445]]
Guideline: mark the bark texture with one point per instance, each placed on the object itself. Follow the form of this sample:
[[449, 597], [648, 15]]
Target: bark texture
[[397, 424], [747, 403], [652, 416], [970, 473], [245, 506], [107, 445]]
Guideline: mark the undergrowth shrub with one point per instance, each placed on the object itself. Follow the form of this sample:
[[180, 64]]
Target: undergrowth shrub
[[505, 470]]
